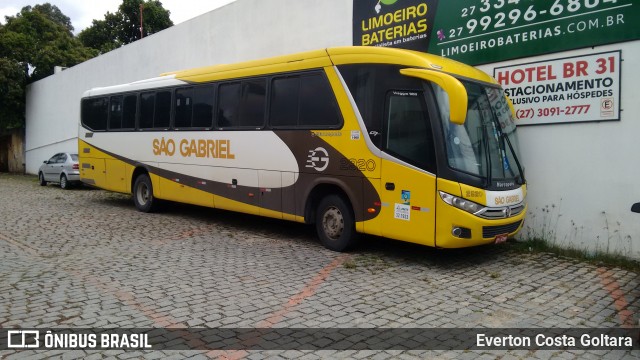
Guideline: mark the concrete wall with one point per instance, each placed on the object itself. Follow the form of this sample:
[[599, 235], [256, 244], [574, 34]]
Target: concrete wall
[[242, 30], [583, 178]]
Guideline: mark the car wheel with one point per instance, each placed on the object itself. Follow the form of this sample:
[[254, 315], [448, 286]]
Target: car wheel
[[41, 179], [143, 194], [64, 183], [335, 223]]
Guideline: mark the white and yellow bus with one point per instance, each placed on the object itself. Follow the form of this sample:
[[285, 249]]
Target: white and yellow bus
[[387, 142]]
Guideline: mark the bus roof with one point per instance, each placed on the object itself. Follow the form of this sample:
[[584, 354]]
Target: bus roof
[[333, 56], [302, 61]]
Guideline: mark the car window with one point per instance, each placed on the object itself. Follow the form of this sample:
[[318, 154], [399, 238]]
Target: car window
[[54, 158], [74, 157], [62, 158]]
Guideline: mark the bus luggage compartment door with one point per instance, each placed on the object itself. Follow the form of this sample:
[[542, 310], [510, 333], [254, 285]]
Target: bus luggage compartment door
[[92, 172]]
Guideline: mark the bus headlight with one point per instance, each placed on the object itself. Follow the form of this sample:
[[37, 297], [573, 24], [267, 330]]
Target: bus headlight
[[460, 203]]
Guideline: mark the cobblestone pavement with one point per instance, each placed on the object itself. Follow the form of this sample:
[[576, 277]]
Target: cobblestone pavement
[[86, 258]]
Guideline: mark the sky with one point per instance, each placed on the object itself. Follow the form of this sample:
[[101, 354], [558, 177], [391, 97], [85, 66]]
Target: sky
[[82, 12]]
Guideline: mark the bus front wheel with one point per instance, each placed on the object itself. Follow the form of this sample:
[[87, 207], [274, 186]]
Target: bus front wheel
[[143, 194], [335, 223]]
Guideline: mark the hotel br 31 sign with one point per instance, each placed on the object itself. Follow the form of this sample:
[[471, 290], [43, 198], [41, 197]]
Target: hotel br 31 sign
[[567, 90]]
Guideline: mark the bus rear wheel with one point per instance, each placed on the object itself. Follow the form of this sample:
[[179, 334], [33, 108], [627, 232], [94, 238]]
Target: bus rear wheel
[[335, 223], [143, 194]]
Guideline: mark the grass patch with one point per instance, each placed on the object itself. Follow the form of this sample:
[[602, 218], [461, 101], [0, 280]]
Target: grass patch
[[596, 258], [372, 263]]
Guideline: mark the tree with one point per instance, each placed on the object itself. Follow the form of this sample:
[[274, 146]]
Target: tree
[[32, 43], [102, 35], [11, 94], [123, 27]]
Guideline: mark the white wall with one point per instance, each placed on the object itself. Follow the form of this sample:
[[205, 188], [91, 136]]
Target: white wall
[[242, 30], [583, 178]]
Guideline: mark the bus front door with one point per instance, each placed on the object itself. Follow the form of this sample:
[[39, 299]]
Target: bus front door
[[408, 204]]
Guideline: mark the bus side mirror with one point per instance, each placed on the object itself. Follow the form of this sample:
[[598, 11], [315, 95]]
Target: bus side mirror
[[635, 208], [454, 88]]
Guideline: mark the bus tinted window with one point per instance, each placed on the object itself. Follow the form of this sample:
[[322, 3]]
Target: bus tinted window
[[129, 111], [95, 113], [194, 107], [242, 104], [253, 103], [115, 113], [147, 104], [184, 108], [202, 107], [162, 116], [228, 100], [284, 102], [306, 101], [317, 104], [408, 133]]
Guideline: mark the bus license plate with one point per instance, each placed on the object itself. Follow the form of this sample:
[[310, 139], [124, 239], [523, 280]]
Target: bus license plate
[[501, 238]]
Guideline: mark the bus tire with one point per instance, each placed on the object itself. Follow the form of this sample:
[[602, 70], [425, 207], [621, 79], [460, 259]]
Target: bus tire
[[335, 223], [143, 194]]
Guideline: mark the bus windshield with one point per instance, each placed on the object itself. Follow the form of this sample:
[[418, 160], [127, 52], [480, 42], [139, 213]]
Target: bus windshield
[[486, 144]]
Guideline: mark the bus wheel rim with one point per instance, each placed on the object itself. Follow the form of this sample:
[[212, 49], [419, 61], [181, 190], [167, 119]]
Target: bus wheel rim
[[333, 223], [143, 194]]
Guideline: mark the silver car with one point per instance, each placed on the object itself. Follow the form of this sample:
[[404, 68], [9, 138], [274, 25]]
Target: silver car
[[62, 168]]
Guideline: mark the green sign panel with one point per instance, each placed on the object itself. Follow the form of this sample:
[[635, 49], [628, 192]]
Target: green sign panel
[[486, 31]]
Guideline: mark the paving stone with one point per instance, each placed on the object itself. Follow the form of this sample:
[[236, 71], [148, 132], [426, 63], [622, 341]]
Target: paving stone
[[87, 258]]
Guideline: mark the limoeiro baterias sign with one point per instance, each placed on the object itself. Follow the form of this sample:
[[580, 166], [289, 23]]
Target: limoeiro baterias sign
[[486, 31]]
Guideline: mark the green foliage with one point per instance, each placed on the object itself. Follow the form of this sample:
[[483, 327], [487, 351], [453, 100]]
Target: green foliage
[[11, 94], [102, 35], [123, 27], [32, 43]]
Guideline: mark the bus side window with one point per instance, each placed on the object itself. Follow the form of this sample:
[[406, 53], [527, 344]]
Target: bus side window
[[304, 101], [184, 108], [162, 117], [252, 106], [318, 107], [129, 111], [242, 104], [228, 101], [203, 106], [95, 113], [408, 133], [147, 104], [115, 113]]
